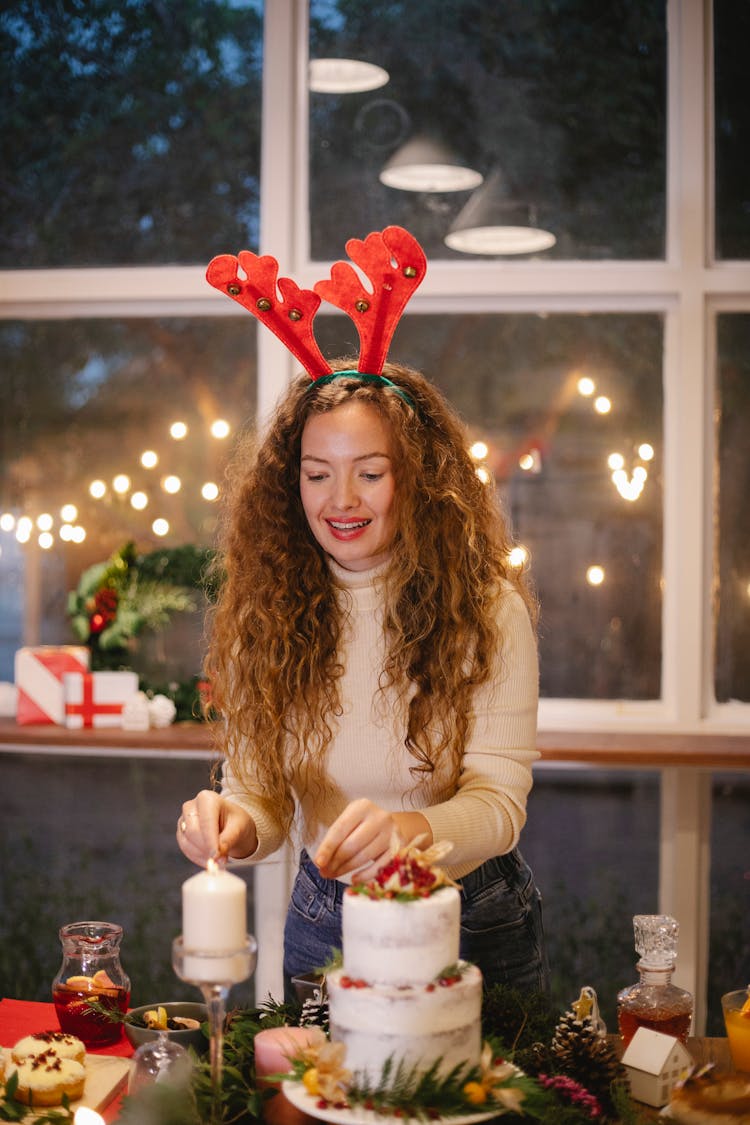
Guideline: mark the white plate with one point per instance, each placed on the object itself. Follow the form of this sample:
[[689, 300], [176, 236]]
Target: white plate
[[308, 1103]]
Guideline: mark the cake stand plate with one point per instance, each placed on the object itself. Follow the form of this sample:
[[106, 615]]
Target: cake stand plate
[[308, 1103]]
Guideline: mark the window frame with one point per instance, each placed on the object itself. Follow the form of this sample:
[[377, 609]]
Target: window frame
[[688, 288]]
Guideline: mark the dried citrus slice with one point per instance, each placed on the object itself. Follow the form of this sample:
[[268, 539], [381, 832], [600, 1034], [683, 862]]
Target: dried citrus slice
[[156, 1018]]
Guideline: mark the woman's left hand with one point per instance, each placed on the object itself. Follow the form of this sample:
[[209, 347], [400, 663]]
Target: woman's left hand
[[361, 839]]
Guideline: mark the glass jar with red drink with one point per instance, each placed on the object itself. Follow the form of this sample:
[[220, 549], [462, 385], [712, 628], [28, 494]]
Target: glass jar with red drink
[[91, 991]]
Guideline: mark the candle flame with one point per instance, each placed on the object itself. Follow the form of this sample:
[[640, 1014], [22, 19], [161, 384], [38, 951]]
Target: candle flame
[[216, 863], [86, 1116]]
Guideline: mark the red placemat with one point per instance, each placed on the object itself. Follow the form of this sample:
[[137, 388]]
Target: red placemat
[[24, 1017]]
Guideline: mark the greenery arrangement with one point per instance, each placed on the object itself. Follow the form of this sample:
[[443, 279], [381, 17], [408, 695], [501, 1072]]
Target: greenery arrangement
[[532, 1068], [569, 1076], [118, 600]]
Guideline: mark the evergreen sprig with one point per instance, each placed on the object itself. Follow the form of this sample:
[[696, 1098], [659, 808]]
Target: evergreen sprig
[[11, 1109]]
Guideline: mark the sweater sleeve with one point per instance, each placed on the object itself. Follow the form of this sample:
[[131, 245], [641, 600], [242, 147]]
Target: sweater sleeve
[[485, 816], [270, 834]]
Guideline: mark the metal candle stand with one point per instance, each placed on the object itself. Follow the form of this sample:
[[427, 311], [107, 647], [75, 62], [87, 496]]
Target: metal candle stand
[[214, 974]]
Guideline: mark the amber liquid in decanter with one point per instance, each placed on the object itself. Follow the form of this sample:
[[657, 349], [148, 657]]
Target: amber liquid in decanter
[[654, 1002]]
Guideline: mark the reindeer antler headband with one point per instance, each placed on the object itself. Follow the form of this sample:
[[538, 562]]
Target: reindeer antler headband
[[391, 259]]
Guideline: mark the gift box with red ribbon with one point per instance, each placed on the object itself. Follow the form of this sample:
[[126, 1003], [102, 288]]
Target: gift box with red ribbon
[[96, 699], [39, 671]]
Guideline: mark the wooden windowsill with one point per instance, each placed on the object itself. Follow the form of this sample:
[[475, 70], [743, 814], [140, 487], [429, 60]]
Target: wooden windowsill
[[626, 748]]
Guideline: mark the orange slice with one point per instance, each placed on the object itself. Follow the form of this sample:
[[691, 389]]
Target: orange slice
[[745, 1009], [102, 979], [80, 984]]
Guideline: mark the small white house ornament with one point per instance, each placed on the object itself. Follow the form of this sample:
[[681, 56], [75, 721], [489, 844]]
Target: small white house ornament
[[655, 1064]]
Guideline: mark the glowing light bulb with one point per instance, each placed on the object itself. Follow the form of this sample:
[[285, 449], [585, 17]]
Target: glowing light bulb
[[68, 512], [79, 534], [66, 532], [149, 459], [139, 500], [646, 451], [526, 462], [616, 461], [220, 428], [602, 405], [23, 529], [171, 484], [7, 521], [44, 522], [483, 475], [97, 489], [178, 430], [586, 386], [595, 575], [160, 527], [210, 491], [640, 474], [478, 451], [121, 483], [518, 556], [46, 540]]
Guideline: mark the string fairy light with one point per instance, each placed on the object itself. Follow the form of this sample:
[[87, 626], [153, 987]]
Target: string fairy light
[[68, 531], [595, 575]]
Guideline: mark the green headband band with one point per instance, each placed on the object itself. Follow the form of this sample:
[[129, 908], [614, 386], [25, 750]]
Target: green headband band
[[365, 378]]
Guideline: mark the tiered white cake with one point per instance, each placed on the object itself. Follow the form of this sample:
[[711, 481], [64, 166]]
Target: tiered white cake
[[402, 992]]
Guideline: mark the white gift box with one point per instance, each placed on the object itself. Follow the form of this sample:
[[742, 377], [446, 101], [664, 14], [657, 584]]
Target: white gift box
[[39, 671], [96, 699]]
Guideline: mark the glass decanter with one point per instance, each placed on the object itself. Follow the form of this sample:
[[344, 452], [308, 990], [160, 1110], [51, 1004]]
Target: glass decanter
[[91, 983], [655, 1002]]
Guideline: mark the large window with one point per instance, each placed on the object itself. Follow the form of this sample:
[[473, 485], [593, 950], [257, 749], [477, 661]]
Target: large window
[[134, 131], [562, 108], [112, 431], [564, 413], [732, 587]]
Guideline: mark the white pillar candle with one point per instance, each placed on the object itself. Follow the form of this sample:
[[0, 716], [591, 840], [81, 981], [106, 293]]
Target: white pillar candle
[[214, 911]]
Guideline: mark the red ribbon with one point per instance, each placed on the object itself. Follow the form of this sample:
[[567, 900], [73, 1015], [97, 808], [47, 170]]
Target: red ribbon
[[87, 708]]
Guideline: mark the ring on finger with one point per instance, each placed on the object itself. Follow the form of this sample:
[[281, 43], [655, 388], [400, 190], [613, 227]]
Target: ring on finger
[[183, 825]]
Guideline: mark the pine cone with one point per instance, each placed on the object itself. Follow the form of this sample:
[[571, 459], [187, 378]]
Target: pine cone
[[315, 1014], [581, 1053]]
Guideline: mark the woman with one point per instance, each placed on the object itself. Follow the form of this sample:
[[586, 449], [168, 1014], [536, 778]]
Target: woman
[[374, 663]]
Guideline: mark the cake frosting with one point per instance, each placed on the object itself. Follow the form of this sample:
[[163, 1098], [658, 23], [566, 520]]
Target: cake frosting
[[43, 1079], [390, 942], [402, 993], [58, 1042]]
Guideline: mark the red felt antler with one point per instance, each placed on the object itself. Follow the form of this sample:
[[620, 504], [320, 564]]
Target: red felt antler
[[290, 318], [395, 264], [392, 260]]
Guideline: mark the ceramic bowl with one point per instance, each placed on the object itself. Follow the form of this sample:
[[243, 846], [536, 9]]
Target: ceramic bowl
[[190, 1037]]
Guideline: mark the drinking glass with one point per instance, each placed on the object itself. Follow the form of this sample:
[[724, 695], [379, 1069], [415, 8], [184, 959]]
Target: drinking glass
[[737, 1023]]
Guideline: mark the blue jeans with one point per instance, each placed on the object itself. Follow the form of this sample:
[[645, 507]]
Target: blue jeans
[[501, 923]]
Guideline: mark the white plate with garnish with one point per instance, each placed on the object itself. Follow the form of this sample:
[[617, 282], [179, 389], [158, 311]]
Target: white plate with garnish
[[310, 1104]]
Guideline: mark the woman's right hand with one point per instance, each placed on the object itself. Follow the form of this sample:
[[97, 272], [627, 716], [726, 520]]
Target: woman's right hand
[[211, 825]]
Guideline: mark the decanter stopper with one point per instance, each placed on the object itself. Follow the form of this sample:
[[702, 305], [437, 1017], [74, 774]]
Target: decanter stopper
[[656, 940]]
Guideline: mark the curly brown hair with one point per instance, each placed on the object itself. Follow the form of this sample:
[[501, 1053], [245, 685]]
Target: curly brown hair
[[273, 656]]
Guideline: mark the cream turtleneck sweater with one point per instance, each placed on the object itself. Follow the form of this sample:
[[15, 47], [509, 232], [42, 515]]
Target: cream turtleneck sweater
[[484, 815]]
